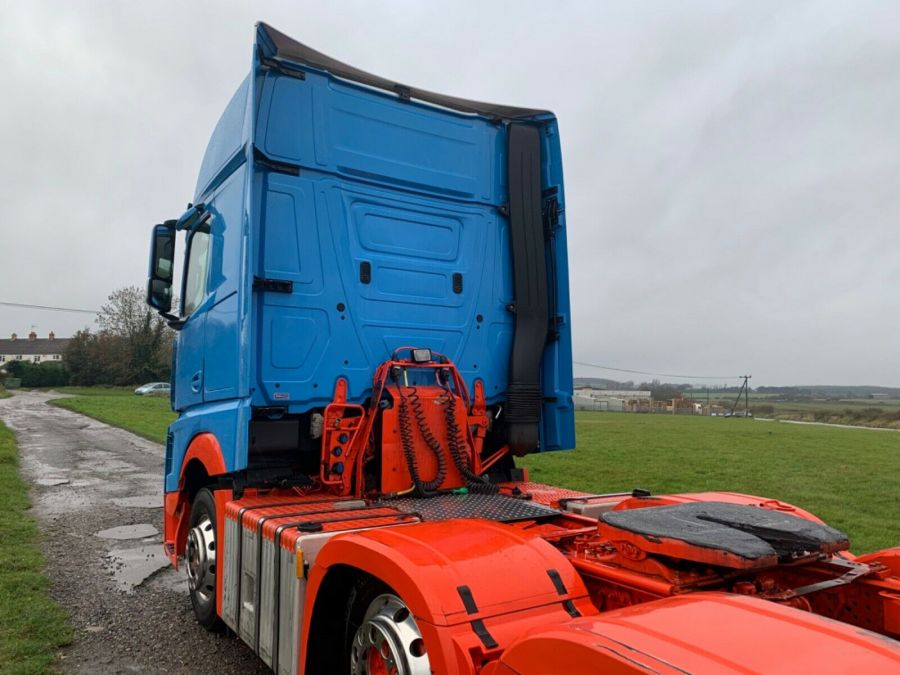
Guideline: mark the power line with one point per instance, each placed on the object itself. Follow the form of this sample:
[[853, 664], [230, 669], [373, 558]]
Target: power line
[[55, 309], [644, 372], [580, 363]]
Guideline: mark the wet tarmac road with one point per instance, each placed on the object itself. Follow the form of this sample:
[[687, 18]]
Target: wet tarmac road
[[97, 497]]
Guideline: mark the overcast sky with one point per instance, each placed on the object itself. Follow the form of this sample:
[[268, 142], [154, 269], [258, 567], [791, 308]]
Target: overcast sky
[[732, 168]]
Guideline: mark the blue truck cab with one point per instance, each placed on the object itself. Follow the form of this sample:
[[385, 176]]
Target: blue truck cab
[[337, 217]]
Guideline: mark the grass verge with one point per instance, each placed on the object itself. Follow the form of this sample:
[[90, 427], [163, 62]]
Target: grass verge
[[146, 416], [94, 391], [32, 627]]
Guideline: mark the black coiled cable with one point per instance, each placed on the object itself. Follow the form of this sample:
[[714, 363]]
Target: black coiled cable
[[422, 488], [455, 442]]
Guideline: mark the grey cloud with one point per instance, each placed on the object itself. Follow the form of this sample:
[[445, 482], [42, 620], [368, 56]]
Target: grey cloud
[[731, 167]]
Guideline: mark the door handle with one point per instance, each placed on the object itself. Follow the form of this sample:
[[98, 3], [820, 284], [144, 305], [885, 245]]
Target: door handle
[[196, 381]]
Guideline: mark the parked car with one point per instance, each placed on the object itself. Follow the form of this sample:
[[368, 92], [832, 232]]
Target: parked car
[[153, 389]]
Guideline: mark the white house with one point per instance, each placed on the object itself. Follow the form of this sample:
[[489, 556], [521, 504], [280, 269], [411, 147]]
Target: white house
[[34, 349]]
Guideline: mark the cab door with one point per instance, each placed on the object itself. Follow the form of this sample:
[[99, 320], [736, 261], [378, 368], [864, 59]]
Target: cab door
[[189, 363]]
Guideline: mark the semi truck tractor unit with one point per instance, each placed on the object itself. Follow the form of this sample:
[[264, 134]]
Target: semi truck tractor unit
[[373, 324]]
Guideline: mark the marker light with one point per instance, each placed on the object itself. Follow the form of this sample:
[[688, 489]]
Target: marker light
[[301, 566]]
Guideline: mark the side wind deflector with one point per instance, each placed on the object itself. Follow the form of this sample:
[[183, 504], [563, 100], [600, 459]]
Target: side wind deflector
[[524, 397]]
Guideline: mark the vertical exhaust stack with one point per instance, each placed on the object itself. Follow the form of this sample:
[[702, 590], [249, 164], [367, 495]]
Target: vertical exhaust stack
[[524, 397]]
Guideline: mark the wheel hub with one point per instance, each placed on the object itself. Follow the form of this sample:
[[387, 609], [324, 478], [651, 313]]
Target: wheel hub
[[388, 641], [201, 558]]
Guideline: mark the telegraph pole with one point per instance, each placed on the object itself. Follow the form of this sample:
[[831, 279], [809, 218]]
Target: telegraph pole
[[745, 391], [747, 395]]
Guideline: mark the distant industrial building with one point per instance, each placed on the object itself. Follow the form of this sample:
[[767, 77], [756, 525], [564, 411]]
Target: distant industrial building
[[626, 400], [589, 398]]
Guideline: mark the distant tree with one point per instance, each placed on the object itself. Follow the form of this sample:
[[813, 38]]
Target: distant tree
[[666, 392], [82, 359], [133, 345], [147, 336], [126, 313], [52, 375], [663, 391], [38, 374], [16, 368], [98, 358]]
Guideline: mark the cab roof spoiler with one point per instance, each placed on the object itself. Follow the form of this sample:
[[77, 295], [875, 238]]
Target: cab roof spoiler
[[276, 45]]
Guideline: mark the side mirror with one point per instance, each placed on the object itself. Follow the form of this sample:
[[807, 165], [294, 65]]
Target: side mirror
[[162, 265]]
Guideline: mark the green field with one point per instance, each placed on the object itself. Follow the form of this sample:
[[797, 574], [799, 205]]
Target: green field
[[848, 477], [147, 416], [32, 627]]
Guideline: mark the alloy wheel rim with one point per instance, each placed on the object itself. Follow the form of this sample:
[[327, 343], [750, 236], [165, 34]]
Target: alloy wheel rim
[[201, 559], [388, 642]]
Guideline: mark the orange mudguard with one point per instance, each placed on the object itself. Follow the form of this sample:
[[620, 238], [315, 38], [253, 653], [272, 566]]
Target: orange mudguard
[[473, 585], [700, 633], [204, 448]]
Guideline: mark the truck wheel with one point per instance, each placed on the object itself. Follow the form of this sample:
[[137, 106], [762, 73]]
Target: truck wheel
[[387, 641], [201, 560]]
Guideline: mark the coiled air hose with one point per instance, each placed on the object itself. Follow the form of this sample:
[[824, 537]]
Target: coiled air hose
[[422, 488], [457, 444]]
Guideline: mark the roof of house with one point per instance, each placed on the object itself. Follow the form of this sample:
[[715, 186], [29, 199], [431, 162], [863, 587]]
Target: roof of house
[[25, 346]]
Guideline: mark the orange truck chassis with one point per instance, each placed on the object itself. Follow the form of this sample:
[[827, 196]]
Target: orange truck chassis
[[461, 574], [545, 587]]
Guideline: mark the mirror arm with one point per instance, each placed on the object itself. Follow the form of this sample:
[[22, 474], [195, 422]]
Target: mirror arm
[[189, 218], [173, 321]]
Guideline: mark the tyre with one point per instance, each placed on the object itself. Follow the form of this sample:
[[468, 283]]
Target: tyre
[[200, 554], [381, 634]]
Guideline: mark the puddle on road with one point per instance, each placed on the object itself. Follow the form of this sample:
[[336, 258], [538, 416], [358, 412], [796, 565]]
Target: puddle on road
[[140, 502], [129, 532], [131, 567], [51, 482], [171, 580]]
